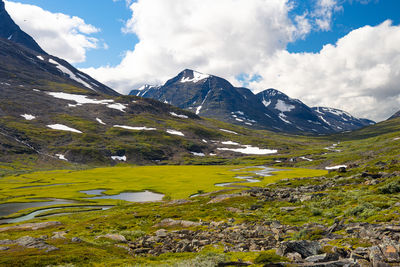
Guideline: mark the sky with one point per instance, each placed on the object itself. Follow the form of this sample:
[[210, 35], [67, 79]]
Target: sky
[[337, 53]]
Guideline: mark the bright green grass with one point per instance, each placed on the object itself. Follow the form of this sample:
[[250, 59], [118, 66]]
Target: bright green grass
[[175, 182]]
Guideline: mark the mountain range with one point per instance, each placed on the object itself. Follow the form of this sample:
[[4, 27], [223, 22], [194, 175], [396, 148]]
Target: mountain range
[[214, 97]]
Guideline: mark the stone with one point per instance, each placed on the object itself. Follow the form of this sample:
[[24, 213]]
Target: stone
[[296, 257], [174, 223], [76, 240], [391, 253], [30, 226], [114, 237], [326, 257], [304, 248], [59, 235], [375, 255], [161, 233], [288, 209], [4, 248], [30, 242]]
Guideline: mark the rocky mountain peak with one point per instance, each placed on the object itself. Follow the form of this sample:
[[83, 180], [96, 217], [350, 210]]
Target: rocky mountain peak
[[11, 31]]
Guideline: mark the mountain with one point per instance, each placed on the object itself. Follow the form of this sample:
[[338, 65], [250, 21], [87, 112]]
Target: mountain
[[396, 115], [53, 114], [341, 120], [11, 31], [214, 97]]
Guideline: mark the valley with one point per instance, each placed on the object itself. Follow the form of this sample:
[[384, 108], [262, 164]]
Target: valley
[[194, 172]]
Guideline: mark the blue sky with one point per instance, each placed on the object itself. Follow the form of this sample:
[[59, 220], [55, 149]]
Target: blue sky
[[110, 17], [343, 54]]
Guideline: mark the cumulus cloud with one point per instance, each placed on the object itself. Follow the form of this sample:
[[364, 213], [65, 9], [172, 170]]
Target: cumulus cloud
[[65, 36], [359, 73], [220, 37]]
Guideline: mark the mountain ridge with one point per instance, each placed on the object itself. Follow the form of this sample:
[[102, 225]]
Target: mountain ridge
[[214, 97]]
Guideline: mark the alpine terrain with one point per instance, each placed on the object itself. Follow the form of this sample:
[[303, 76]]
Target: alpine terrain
[[214, 97]]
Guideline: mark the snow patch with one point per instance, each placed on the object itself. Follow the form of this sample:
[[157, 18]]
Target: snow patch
[[28, 117], [117, 106], [123, 158], [283, 107], [62, 127], [283, 118], [100, 121], [198, 154], [197, 76], [40, 57], [198, 109], [306, 158], [61, 156], [250, 150], [227, 131], [266, 103], [230, 143], [134, 128], [174, 132], [70, 74], [178, 115], [83, 99], [336, 167]]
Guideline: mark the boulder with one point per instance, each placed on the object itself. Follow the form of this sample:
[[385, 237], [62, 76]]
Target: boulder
[[304, 248], [175, 223], [31, 242], [114, 237]]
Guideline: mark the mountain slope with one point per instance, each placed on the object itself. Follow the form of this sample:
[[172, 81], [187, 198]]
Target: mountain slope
[[11, 31], [341, 120], [214, 97]]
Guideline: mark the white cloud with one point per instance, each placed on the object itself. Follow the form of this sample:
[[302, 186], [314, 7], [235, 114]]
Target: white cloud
[[219, 37], [359, 74], [58, 34]]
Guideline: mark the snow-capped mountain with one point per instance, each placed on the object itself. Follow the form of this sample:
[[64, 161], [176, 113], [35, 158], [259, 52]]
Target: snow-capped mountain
[[341, 120], [214, 97]]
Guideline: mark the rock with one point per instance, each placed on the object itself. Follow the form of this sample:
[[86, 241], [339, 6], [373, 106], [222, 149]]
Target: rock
[[375, 255], [221, 198], [114, 237], [4, 248], [295, 257], [30, 226], [288, 209], [174, 223], [30, 242], [342, 170], [326, 257], [304, 248], [390, 252], [59, 235], [6, 242], [161, 233], [178, 202], [76, 240]]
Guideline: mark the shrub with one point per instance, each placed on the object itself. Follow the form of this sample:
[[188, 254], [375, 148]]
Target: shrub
[[390, 188]]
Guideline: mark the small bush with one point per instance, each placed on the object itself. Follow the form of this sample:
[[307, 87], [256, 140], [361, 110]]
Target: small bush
[[269, 257], [390, 188]]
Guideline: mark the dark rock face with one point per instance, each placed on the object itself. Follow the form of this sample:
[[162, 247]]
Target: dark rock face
[[11, 31], [214, 97], [341, 120]]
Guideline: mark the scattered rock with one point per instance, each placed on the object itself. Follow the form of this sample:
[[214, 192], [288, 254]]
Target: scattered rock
[[220, 198], [114, 237], [161, 233], [176, 223], [30, 226], [31, 242], [304, 248]]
